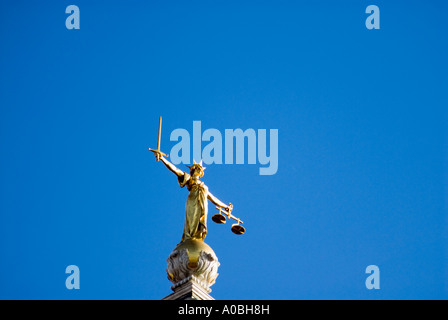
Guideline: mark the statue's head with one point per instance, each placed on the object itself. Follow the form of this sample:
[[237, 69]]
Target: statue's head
[[197, 169]]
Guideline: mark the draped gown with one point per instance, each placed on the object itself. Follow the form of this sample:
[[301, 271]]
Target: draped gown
[[196, 208]]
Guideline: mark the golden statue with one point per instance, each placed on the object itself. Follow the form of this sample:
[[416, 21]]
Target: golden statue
[[196, 208]]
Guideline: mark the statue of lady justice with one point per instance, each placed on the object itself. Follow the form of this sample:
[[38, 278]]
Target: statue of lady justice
[[196, 208]]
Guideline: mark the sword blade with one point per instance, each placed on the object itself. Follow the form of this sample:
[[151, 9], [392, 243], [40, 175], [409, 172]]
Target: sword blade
[[160, 134]]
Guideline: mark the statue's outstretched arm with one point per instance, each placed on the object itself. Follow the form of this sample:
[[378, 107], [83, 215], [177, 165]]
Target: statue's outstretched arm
[[218, 202], [169, 165]]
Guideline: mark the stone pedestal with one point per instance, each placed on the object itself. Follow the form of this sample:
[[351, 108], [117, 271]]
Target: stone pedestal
[[193, 269], [190, 290]]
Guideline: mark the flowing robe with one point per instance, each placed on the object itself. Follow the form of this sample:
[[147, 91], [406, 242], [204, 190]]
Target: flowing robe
[[196, 208]]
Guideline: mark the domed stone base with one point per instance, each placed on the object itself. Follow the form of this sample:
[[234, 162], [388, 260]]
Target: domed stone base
[[192, 261]]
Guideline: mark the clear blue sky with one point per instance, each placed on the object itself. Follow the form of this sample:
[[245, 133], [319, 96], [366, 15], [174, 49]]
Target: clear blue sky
[[362, 122]]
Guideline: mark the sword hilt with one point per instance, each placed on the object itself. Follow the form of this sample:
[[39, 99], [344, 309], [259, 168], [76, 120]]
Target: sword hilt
[[158, 151]]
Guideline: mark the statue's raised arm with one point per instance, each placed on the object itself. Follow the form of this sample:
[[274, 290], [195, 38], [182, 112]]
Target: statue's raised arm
[[159, 154], [179, 173]]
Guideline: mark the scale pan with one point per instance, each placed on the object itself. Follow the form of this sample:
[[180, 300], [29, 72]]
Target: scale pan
[[237, 229], [219, 218]]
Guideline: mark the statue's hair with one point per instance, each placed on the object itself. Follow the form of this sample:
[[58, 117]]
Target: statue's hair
[[196, 166]]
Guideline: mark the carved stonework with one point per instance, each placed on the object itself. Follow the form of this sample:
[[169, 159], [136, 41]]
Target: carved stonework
[[192, 260]]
